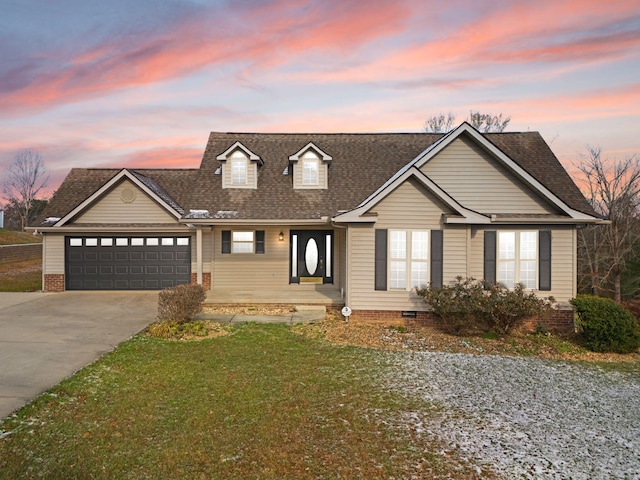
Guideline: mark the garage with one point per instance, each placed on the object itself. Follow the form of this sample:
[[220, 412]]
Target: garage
[[126, 262]]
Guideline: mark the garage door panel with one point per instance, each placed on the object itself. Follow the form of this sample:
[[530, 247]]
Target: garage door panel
[[108, 263]]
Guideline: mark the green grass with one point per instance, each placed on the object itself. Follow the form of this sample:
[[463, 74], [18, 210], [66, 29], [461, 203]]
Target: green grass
[[12, 237], [261, 403]]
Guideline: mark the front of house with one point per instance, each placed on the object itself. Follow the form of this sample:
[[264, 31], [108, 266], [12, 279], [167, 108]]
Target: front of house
[[338, 219]]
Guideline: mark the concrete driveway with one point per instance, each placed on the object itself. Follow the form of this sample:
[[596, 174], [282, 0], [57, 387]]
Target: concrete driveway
[[45, 337]]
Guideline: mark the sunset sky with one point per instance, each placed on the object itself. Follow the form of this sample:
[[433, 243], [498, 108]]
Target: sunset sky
[[124, 83]]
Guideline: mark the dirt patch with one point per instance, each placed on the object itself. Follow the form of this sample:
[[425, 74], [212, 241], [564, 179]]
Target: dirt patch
[[521, 343], [247, 310]]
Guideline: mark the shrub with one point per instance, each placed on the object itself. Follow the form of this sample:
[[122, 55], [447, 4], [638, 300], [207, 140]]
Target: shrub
[[468, 306], [606, 325], [180, 304], [175, 330]]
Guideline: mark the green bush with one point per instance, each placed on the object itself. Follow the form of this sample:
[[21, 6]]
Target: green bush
[[180, 304], [606, 325], [470, 306]]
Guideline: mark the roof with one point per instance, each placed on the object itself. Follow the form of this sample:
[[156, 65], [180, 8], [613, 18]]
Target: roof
[[361, 164]]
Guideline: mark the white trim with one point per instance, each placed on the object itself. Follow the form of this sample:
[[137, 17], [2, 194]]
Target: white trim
[[465, 215], [310, 146], [124, 173], [238, 146]]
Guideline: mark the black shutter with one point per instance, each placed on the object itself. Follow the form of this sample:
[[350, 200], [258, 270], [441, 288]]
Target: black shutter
[[259, 241], [381, 260], [436, 258], [490, 257], [226, 241], [544, 253]]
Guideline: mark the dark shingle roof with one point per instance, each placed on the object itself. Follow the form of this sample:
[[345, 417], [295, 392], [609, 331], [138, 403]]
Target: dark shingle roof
[[361, 163]]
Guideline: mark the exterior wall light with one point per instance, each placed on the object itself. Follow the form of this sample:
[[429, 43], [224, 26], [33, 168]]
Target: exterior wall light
[[281, 236]]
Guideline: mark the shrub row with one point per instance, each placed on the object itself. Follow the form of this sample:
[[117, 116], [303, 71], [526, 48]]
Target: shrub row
[[472, 306]]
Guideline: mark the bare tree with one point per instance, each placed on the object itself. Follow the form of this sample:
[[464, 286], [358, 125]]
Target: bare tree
[[440, 123], [484, 122], [26, 176], [613, 189]]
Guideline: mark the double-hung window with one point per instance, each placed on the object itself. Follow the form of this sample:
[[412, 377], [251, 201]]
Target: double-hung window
[[518, 259], [242, 242], [408, 259]]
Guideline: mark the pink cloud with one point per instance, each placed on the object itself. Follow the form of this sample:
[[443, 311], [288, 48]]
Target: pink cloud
[[193, 44], [560, 31]]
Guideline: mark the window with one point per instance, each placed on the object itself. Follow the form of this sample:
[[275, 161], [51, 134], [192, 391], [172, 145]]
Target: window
[[310, 169], [518, 258], [242, 242], [238, 169], [409, 256]]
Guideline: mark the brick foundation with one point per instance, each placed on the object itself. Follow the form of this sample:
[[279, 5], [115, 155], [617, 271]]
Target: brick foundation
[[53, 282], [206, 280]]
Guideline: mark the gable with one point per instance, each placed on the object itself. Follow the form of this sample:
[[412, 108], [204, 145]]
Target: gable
[[125, 203], [410, 205], [481, 183]]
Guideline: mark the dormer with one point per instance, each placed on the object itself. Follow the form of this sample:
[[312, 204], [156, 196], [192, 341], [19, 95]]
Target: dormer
[[239, 167], [310, 168]]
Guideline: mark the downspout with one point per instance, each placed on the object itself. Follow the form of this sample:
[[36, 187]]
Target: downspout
[[199, 254]]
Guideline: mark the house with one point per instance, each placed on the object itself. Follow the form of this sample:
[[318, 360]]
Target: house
[[342, 219]]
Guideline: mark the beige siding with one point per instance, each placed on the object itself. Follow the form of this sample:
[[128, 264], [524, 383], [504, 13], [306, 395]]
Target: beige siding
[[409, 207], [249, 271], [53, 254], [563, 259], [476, 180], [112, 209]]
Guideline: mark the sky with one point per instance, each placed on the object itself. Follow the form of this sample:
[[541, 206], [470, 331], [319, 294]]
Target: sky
[[123, 83]]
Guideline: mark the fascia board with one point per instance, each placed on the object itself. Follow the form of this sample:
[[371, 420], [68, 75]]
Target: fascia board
[[238, 145], [106, 187], [310, 146]]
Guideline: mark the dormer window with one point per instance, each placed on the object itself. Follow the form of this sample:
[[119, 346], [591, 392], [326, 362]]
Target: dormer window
[[310, 168], [239, 167]]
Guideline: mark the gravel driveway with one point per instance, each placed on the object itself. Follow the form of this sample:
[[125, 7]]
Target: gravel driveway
[[527, 418]]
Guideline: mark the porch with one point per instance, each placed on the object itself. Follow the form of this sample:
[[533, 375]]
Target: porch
[[323, 296]]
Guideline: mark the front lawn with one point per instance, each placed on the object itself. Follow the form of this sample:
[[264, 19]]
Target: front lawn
[[24, 276], [260, 403]]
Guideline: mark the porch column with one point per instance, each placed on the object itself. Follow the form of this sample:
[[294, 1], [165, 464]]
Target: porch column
[[199, 254]]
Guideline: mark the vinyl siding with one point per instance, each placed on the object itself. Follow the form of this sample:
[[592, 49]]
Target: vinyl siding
[[409, 207], [250, 271], [563, 259], [112, 209], [53, 254], [479, 182]]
